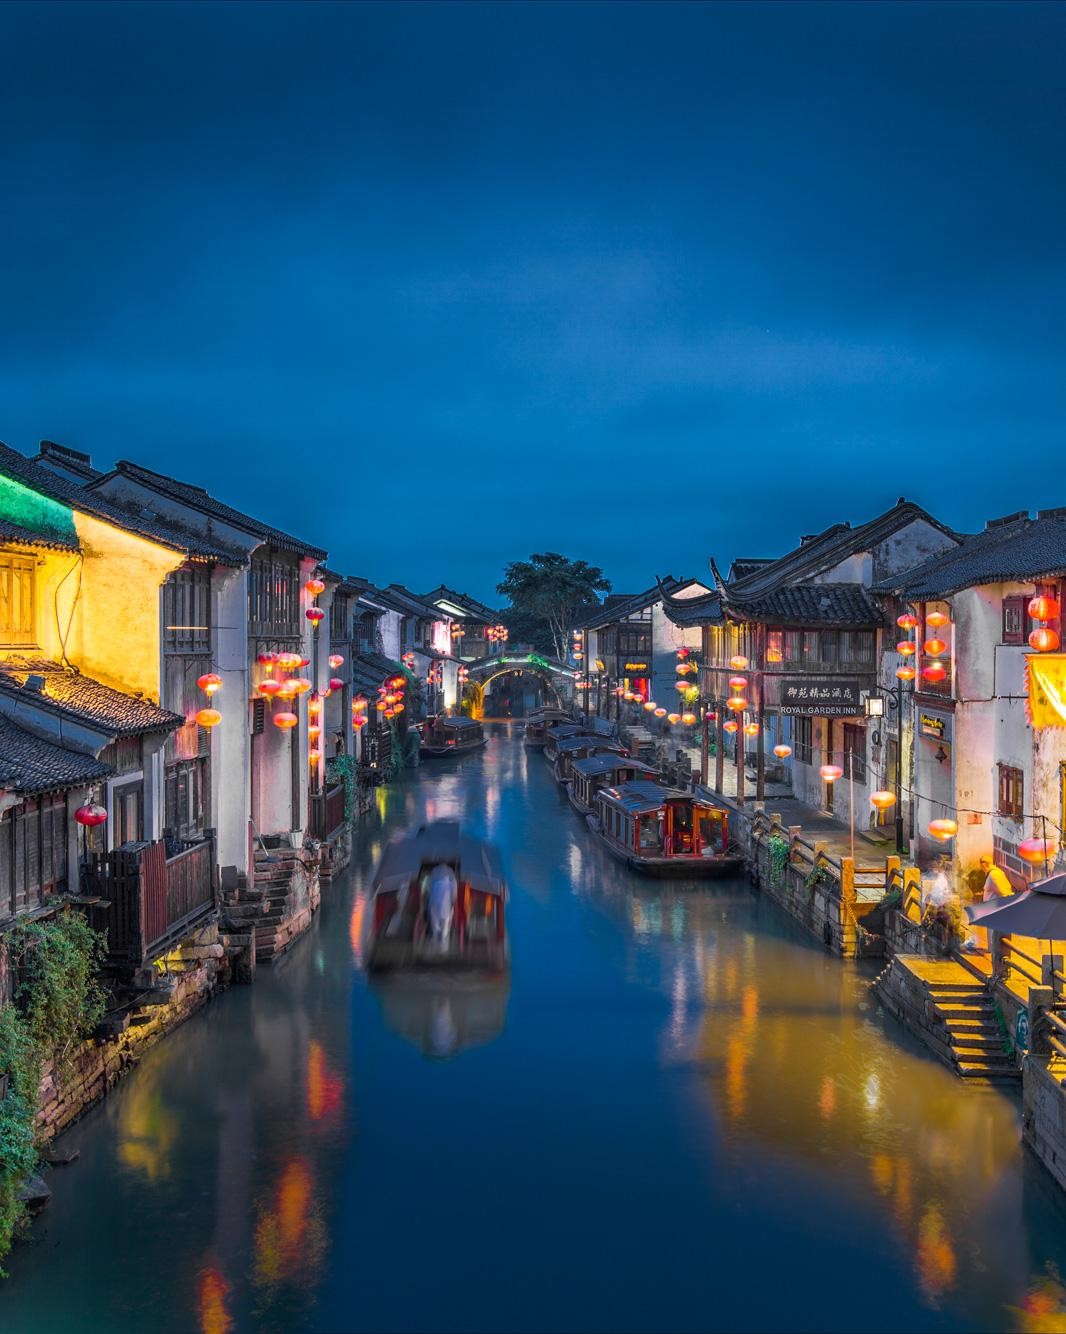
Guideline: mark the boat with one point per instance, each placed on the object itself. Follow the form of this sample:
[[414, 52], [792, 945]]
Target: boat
[[573, 748], [663, 831], [559, 732], [594, 772], [438, 901], [447, 735], [539, 722]]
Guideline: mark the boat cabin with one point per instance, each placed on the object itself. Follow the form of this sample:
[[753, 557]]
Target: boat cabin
[[406, 929], [573, 748], [593, 773], [662, 830], [540, 721], [450, 736], [559, 732]]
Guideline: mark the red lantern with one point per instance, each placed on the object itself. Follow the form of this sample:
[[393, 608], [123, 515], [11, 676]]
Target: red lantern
[[336, 660], [209, 717], [313, 733], [285, 721], [906, 673], [751, 729], [736, 703], [359, 721], [1044, 640], [398, 708], [314, 706], [907, 621], [906, 647], [682, 685], [270, 687], [936, 620], [1042, 608], [935, 672], [90, 815], [831, 772], [288, 662], [942, 830], [1035, 850], [688, 719], [882, 800], [314, 615], [782, 752], [730, 726], [209, 682], [739, 663], [315, 587], [738, 683], [267, 659], [304, 662], [935, 647], [335, 683], [314, 755], [660, 713]]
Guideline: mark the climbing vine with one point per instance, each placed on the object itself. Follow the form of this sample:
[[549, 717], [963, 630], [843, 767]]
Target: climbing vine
[[345, 768], [819, 873], [777, 849], [57, 1003]]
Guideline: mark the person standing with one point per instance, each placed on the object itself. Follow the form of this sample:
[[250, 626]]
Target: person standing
[[996, 885]]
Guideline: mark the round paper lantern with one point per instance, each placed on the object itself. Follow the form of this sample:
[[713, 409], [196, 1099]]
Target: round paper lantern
[[314, 706], [660, 713], [935, 672], [942, 830], [936, 620], [906, 647], [267, 659], [738, 683], [751, 729], [906, 673], [882, 800], [730, 726], [335, 683], [736, 703], [359, 722], [304, 662], [209, 717], [290, 687], [288, 662], [285, 720], [303, 685], [270, 687], [336, 660], [673, 717], [831, 772], [907, 621], [1035, 850], [739, 663], [1044, 640], [688, 719], [650, 706], [209, 682], [782, 752], [90, 815], [315, 587], [313, 733], [398, 708], [359, 702], [381, 706], [314, 615], [935, 648], [1043, 608], [313, 756]]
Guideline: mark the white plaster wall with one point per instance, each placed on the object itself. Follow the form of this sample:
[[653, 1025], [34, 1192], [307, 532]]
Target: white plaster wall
[[231, 748]]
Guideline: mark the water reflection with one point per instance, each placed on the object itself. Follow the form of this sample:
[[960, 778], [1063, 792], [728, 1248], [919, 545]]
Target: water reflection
[[443, 1017]]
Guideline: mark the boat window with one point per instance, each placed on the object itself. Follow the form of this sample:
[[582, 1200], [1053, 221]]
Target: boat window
[[650, 832], [683, 818]]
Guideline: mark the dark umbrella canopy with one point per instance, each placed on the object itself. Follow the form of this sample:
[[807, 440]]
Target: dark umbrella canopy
[[1039, 912]]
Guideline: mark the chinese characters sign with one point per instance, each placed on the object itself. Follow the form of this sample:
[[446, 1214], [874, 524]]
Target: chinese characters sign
[[834, 698]]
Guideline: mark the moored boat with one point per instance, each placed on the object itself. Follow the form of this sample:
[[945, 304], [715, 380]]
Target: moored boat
[[595, 772], [438, 900], [539, 722], [451, 735], [573, 748], [662, 831], [559, 732]]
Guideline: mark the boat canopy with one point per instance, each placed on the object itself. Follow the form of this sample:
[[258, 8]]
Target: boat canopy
[[594, 765], [570, 743], [439, 844], [459, 722], [641, 797], [548, 715]]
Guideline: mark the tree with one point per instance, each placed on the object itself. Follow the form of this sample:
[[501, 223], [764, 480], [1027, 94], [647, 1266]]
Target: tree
[[551, 591]]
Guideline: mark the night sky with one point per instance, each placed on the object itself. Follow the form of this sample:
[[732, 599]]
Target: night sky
[[438, 286]]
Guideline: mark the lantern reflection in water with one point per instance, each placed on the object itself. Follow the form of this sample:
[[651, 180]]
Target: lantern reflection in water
[[290, 1238], [211, 1293], [325, 1090]]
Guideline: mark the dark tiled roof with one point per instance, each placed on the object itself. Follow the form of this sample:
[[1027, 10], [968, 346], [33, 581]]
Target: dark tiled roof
[[618, 611], [403, 600], [472, 609], [1016, 549], [29, 764], [83, 699], [198, 499], [36, 537], [814, 604], [694, 611], [369, 671], [167, 533], [745, 565], [73, 460]]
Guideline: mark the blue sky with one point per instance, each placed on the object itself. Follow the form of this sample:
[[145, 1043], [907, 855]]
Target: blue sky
[[440, 285]]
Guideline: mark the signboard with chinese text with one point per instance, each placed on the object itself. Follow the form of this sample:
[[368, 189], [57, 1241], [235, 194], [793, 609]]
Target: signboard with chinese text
[[934, 725], [827, 698]]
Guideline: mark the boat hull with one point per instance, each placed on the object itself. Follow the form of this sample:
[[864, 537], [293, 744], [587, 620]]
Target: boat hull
[[460, 748], [664, 868]]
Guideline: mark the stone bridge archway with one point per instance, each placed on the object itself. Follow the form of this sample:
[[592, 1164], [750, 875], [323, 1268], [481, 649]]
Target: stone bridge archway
[[512, 685]]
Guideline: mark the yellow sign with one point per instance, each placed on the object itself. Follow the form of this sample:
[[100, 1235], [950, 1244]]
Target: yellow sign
[[636, 666], [1047, 689]]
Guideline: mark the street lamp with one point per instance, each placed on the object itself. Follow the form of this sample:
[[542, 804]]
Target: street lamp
[[874, 707]]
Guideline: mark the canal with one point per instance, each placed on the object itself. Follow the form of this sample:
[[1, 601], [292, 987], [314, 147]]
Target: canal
[[681, 1114]]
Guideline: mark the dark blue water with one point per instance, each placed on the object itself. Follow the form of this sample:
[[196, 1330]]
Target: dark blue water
[[681, 1114]]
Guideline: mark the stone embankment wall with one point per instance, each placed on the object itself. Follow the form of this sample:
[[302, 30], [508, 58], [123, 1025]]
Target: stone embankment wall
[[194, 972], [1044, 1113]]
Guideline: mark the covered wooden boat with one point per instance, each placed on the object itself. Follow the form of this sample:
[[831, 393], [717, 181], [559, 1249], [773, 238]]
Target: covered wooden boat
[[663, 831], [539, 722], [559, 732], [573, 748], [451, 736], [438, 900], [595, 772]]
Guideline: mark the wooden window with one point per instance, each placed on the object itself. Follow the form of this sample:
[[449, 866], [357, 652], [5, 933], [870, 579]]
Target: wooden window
[[1015, 620], [18, 624], [857, 647], [274, 597], [775, 646], [829, 647], [803, 740], [339, 618], [187, 610], [186, 797], [33, 853], [1011, 791], [855, 743], [126, 812]]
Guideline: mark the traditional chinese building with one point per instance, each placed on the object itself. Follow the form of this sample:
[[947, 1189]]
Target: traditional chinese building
[[474, 626]]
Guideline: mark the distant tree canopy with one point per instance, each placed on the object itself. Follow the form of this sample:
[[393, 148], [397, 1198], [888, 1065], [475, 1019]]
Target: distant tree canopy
[[548, 595]]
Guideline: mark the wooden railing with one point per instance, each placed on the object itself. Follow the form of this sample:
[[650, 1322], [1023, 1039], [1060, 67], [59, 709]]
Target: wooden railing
[[327, 811], [153, 900]]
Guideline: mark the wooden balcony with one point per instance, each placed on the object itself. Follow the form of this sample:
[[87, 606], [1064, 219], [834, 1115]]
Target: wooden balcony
[[153, 900], [327, 811]]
